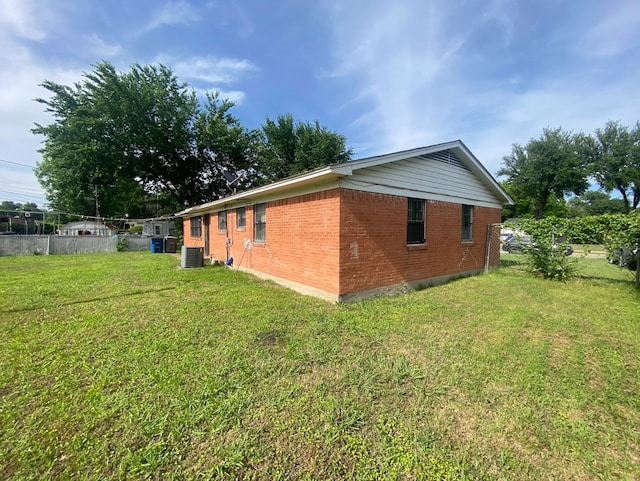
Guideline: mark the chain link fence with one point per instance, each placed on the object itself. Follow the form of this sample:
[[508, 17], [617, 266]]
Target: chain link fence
[[507, 248]]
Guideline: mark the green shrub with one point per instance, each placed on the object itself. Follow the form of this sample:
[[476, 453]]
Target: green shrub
[[550, 260], [121, 243], [624, 232], [612, 230]]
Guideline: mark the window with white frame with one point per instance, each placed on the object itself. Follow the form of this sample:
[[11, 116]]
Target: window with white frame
[[241, 217], [259, 222], [416, 221], [467, 223], [222, 221], [196, 226]]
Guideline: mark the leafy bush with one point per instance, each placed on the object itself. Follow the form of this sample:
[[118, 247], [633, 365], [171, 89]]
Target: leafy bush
[[121, 243], [623, 234], [612, 230], [550, 261], [624, 257]]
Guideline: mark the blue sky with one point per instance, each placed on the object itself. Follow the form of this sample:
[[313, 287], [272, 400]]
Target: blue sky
[[388, 75]]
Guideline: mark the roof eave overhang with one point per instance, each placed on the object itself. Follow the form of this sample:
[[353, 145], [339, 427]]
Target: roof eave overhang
[[318, 176], [479, 170], [335, 171], [459, 148]]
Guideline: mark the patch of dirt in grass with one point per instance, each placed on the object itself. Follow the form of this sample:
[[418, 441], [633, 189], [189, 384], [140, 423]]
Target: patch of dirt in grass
[[316, 374], [557, 355], [5, 391], [270, 338]]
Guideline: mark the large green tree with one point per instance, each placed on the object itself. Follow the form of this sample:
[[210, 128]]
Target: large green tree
[[10, 206], [82, 166], [594, 202], [122, 140], [547, 168], [523, 207], [292, 147], [614, 154]]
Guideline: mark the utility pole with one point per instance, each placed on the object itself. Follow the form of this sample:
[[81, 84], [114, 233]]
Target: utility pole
[[95, 191]]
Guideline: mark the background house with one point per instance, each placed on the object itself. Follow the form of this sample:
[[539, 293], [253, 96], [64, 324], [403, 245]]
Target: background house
[[88, 227], [360, 228], [158, 228]]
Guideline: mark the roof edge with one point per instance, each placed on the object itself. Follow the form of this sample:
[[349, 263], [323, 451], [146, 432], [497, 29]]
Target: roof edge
[[346, 169]]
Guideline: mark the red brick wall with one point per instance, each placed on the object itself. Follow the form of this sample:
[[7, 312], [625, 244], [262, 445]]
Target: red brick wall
[[374, 251], [301, 240], [188, 240], [345, 241], [218, 239]]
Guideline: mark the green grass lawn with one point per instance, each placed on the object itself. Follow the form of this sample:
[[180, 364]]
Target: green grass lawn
[[124, 366]]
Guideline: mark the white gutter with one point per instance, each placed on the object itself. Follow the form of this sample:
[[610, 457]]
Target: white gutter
[[315, 176]]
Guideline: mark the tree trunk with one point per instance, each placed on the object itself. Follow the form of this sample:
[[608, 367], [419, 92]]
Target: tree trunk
[[625, 199], [540, 204]]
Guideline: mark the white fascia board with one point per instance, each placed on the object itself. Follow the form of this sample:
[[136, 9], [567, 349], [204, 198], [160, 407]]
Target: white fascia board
[[270, 191], [405, 154], [477, 168]]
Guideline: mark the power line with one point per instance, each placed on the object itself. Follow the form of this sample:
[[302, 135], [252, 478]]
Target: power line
[[17, 163], [88, 217], [17, 189]]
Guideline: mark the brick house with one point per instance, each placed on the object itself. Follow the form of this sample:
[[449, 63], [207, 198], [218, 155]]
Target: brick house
[[361, 228]]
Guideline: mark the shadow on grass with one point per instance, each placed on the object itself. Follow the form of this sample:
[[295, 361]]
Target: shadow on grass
[[511, 262], [587, 277], [88, 301]]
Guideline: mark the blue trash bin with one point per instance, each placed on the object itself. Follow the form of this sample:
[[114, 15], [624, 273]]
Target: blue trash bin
[[156, 245]]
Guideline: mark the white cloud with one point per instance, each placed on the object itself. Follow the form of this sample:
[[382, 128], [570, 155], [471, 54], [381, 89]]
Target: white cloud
[[208, 73], [173, 13], [228, 13], [235, 96], [397, 55], [208, 69], [428, 72], [508, 117], [19, 85], [22, 18], [97, 47], [615, 32]]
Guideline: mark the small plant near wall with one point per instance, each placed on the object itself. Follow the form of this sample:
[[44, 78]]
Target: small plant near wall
[[121, 243], [550, 260]]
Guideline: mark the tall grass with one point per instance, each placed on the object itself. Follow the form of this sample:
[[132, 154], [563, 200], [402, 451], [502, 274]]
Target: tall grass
[[124, 366]]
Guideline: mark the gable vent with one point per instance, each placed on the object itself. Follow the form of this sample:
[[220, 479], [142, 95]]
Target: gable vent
[[446, 157]]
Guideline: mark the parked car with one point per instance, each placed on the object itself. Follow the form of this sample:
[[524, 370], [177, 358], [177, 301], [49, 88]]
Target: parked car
[[624, 257], [504, 237], [519, 244]]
